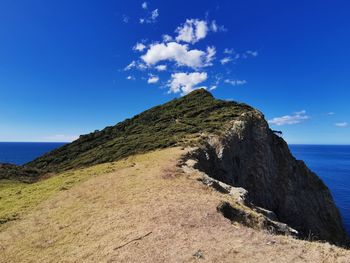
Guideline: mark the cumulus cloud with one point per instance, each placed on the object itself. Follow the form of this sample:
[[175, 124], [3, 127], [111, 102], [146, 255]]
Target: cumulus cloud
[[192, 31], [161, 67], [178, 53], [341, 124], [296, 118], [186, 82], [139, 47], [152, 79], [235, 82], [144, 5]]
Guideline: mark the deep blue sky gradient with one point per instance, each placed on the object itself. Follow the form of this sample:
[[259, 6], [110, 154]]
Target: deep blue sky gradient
[[61, 63]]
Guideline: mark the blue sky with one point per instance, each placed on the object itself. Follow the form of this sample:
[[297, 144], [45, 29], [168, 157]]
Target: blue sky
[[64, 64]]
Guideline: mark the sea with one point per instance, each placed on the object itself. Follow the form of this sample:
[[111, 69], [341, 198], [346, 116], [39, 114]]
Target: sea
[[22, 152], [330, 162]]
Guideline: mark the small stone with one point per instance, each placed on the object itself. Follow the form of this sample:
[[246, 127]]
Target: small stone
[[199, 254]]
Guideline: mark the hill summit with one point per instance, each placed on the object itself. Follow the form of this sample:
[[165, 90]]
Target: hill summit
[[159, 127]]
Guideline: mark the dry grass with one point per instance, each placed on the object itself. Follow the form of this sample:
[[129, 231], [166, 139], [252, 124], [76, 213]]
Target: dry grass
[[146, 210]]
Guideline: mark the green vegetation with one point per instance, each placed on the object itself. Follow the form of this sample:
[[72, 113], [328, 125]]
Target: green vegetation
[[160, 127], [17, 197]]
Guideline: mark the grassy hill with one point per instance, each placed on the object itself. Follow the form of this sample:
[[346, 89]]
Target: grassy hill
[[160, 127]]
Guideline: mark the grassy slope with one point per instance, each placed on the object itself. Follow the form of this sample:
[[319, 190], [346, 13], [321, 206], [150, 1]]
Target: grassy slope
[[17, 198], [159, 127], [144, 209]]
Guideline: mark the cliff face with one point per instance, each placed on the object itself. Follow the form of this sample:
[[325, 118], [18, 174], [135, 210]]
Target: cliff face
[[251, 156]]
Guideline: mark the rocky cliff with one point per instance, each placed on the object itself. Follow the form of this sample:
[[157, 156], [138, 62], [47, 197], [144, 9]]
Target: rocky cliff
[[251, 156]]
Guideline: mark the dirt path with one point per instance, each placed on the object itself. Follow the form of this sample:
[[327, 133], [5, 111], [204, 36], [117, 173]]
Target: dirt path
[[146, 211]]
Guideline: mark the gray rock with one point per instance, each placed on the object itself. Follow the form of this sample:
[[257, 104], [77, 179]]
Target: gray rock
[[251, 156]]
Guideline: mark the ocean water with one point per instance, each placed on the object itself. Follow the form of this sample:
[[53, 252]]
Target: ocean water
[[332, 164], [23, 152]]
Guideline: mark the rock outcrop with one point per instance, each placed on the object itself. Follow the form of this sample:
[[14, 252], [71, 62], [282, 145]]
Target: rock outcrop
[[251, 156]]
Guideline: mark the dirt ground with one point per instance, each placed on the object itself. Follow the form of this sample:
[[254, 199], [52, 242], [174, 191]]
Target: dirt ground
[[147, 210]]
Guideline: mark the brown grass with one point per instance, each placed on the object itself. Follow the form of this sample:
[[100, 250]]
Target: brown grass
[[146, 210]]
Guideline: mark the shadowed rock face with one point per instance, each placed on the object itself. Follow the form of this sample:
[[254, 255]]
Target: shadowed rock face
[[251, 156]]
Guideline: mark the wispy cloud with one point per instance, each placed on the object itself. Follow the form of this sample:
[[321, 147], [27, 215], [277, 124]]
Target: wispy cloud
[[296, 118], [330, 113], [341, 124], [225, 60], [125, 19], [60, 138], [235, 82], [150, 18]]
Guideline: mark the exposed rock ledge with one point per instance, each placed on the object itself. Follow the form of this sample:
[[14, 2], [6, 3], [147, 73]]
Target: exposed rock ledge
[[251, 156], [245, 212]]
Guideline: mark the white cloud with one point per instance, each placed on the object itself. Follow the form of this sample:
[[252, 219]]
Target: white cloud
[[225, 60], [302, 112], [151, 17], [144, 5], [139, 47], [178, 53], [154, 14], [235, 82], [192, 31], [229, 51], [153, 79], [130, 78], [215, 27], [60, 138], [211, 51], [161, 67], [330, 113], [131, 65], [186, 82], [296, 118], [213, 87], [134, 64], [167, 38], [125, 19], [341, 124], [252, 53]]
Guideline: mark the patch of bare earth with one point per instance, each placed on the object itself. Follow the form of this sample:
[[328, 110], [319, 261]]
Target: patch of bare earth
[[147, 211]]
